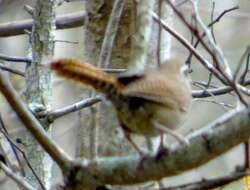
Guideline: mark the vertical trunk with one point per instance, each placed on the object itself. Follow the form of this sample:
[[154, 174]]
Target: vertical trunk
[[94, 31], [142, 28], [38, 84]]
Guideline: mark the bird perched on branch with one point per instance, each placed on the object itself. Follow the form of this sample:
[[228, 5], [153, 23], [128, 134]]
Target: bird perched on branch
[[150, 103]]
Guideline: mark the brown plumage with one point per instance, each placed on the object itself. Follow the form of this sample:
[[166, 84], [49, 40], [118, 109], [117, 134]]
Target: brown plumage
[[84, 73], [160, 96]]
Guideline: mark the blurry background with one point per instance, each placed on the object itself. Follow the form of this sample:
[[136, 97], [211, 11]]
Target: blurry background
[[232, 33]]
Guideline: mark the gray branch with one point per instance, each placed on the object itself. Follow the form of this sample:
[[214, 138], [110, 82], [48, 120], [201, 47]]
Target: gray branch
[[32, 124], [110, 33], [205, 144], [17, 178], [62, 22], [14, 58], [51, 116], [142, 28], [11, 70]]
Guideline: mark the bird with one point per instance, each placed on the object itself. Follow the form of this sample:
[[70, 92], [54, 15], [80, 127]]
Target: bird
[[150, 103]]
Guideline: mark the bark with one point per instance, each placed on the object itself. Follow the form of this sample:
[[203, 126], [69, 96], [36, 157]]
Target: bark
[[205, 145], [39, 86], [105, 120]]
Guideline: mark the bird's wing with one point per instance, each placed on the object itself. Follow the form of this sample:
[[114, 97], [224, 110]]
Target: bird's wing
[[127, 78], [162, 90]]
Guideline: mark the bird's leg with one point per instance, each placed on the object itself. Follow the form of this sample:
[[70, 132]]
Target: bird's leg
[[161, 141], [128, 137], [161, 149], [176, 135]]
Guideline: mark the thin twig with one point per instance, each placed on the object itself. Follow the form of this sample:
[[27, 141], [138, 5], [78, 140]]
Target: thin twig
[[33, 125], [5, 133], [15, 58], [188, 60], [18, 179], [204, 62], [193, 30], [207, 184], [224, 74], [212, 48], [158, 51], [212, 18], [246, 53], [184, 42], [210, 25], [244, 74], [224, 105], [55, 114], [216, 91], [213, 36], [110, 34], [25, 158], [11, 70], [204, 84], [209, 79], [222, 14], [62, 22], [215, 51], [204, 88]]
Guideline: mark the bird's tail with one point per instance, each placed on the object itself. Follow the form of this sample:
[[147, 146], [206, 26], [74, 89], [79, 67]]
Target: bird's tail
[[86, 74]]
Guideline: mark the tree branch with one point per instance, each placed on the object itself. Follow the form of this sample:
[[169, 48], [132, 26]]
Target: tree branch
[[32, 124], [216, 53], [62, 22], [18, 179], [207, 184], [14, 58], [215, 91], [53, 115], [205, 145], [16, 147], [11, 70], [210, 25], [110, 34], [142, 28], [184, 42]]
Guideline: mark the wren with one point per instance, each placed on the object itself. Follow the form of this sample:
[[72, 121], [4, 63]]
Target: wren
[[148, 103]]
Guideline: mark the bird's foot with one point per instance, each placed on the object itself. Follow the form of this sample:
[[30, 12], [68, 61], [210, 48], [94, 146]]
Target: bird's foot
[[162, 150]]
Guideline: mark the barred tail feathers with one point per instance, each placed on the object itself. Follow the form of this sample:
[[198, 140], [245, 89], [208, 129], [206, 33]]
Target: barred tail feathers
[[86, 74]]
